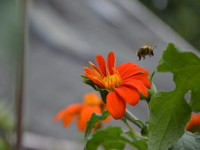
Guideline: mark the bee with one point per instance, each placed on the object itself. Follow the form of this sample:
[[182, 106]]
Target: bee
[[144, 51]]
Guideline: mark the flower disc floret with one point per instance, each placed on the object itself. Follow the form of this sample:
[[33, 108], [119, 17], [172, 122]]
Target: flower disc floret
[[111, 82]]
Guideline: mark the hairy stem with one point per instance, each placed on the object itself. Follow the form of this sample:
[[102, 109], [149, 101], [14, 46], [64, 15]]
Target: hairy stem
[[133, 130]]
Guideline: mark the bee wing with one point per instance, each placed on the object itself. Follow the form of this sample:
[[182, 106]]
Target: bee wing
[[154, 47]]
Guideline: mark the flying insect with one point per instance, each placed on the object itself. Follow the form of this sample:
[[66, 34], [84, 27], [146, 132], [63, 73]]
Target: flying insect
[[144, 51]]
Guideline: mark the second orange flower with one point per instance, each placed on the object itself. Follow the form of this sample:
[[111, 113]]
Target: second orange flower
[[82, 111]]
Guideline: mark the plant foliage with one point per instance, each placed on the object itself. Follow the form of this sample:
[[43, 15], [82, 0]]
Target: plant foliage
[[169, 111]]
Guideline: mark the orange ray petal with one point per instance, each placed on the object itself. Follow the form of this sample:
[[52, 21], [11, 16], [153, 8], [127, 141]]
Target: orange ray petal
[[130, 95], [93, 66], [60, 115], [133, 72], [74, 108], [92, 73], [111, 62], [128, 70], [116, 106], [81, 125], [89, 71], [123, 68], [102, 64], [136, 84], [92, 99], [87, 112], [67, 119], [194, 123], [69, 110], [85, 115], [143, 78], [94, 79]]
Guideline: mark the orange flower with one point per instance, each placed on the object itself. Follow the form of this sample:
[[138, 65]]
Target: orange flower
[[194, 124], [124, 83], [92, 104]]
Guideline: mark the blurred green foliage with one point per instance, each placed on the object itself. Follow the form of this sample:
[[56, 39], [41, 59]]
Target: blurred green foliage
[[183, 16], [6, 126], [6, 119], [4, 145]]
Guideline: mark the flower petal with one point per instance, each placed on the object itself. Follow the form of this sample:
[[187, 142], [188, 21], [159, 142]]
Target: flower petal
[[111, 62], [81, 125], [143, 78], [89, 71], [116, 106], [136, 84], [94, 79], [130, 95], [92, 99], [102, 64], [85, 115], [93, 66], [67, 119], [194, 124], [123, 68], [69, 110], [60, 115], [127, 70]]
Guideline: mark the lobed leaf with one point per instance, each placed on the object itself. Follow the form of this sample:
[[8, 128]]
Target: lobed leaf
[[169, 112], [185, 67]]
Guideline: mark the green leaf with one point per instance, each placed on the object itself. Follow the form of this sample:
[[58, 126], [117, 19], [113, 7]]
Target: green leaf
[[110, 139], [113, 138], [138, 143], [188, 141], [93, 120], [186, 69], [169, 112]]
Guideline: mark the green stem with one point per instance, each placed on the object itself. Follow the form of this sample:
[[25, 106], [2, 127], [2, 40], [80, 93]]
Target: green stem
[[129, 116], [152, 75], [133, 130]]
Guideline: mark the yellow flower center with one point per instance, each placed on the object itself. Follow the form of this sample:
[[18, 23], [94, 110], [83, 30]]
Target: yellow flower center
[[112, 81]]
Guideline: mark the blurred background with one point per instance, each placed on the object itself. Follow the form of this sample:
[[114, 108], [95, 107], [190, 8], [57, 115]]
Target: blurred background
[[61, 36]]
